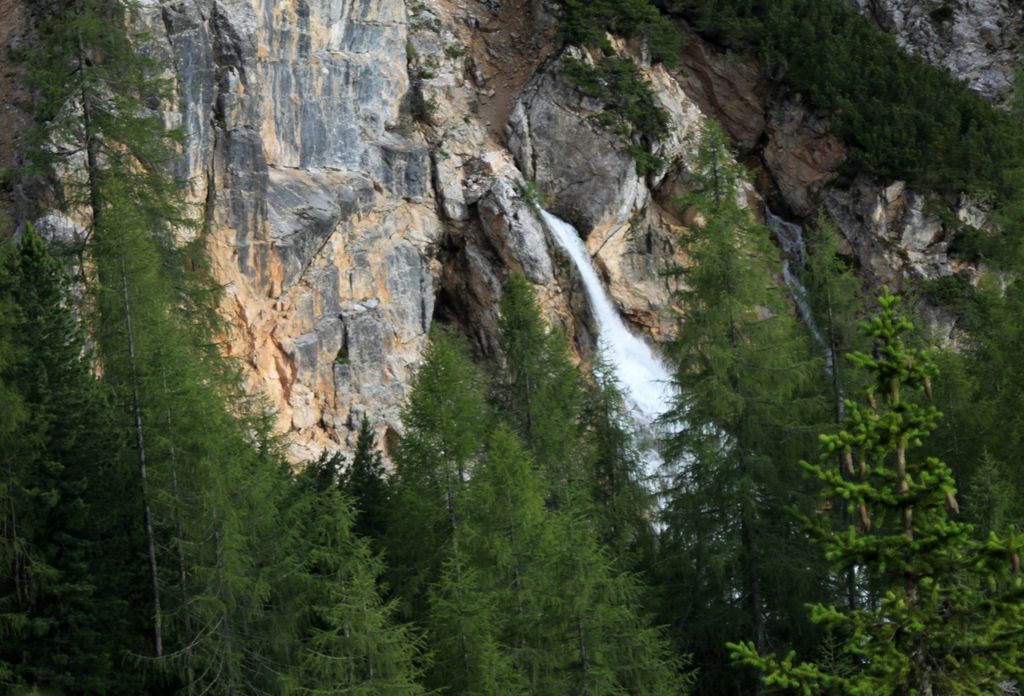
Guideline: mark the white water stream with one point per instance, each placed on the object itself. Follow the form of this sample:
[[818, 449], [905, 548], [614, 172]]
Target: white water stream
[[644, 378], [791, 238]]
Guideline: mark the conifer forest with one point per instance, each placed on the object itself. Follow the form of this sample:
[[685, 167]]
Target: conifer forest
[[512, 347]]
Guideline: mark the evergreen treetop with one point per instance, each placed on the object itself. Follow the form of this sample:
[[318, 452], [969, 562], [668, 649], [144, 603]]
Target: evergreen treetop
[[950, 614]]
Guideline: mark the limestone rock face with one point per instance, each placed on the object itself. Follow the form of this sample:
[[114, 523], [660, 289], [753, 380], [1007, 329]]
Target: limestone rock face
[[893, 234], [586, 176], [978, 41], [586, 172], [366, 168], [731, 89], [802, 155], [322, 219]]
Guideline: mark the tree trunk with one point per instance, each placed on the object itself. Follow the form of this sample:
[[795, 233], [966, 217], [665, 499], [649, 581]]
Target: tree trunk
[[753, 582], [158, 639]]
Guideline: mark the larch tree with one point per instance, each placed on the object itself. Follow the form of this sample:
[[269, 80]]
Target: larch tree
[[950, 616], [446, 422], [537, 387], [350, 643], [205, 492], [624, 500], [744, 374]]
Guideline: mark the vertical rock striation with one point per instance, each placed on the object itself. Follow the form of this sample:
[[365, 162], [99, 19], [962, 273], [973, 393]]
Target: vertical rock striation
[[362, 168]]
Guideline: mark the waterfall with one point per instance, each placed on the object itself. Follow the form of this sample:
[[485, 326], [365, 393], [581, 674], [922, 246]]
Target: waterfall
[[645, 380], [790, 237]]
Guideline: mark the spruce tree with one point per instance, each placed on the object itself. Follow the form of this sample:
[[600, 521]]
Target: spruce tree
[[950, 618], [66, 517], [365, 482], [744, 374], [349, 641]]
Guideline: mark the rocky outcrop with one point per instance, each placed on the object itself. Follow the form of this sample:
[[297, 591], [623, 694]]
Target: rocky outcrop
[[585, 175], [978, 41], [802, 155], [896, 233], [731, 89], [320, 209], [365, 168], [584, 171]]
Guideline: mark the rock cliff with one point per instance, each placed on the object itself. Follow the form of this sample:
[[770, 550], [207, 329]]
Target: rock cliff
[[351, 160], [978, 41], [365, 168]]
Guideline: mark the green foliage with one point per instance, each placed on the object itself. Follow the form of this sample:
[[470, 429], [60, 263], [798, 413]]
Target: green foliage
[[902, 117], [586, 23], [950, 608], [537, 387], [529, 189], [630, 106], [745, 376], [622, 496], [446, 423], [989, 422], [835, 296], [349, 642], [365, 482], [953, 292], [65, 604]]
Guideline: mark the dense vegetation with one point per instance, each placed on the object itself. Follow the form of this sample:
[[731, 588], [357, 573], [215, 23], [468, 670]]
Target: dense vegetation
[[901, 117], [905, 118], [588, 23], [153, 539], [629, 106]]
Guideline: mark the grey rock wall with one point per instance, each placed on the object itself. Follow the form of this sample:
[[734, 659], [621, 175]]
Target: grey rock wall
[[359, 166], [978, 41]]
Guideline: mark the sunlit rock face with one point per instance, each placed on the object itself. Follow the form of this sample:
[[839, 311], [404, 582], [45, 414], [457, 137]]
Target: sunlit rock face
[[319, 213], [364, 169], [350, 162]]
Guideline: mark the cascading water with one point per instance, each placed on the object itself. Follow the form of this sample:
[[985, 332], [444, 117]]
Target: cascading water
[[791, 238], [645, 380]]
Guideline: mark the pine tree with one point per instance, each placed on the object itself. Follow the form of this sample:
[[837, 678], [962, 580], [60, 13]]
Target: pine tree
[[538, 389], [485, 606], [63, 519], [744, 373], [836, 301], [349, 641], [951, 615], [365, 482], [623, 498], [554, 613], [12, 415], [205, 490], [597, 638], [987, 414]]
